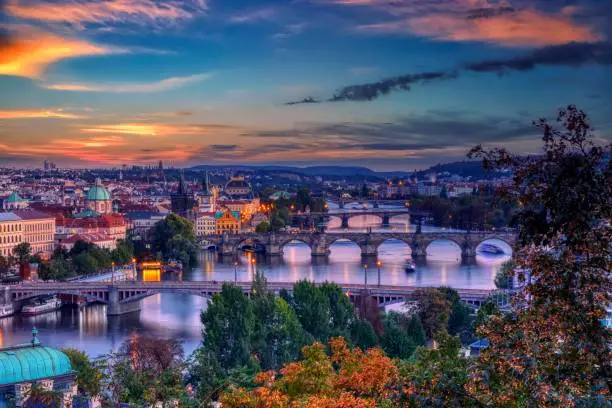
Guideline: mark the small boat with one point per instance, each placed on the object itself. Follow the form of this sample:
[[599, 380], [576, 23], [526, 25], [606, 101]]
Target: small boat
[[7, 310], [490, 249], [42, 306], [410, 267]]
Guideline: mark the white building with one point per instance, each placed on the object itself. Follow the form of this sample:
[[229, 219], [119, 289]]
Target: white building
[[205, 224]]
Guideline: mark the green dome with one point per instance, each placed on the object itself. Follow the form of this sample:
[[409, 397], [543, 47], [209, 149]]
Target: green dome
[[98, 192], [32, 362], [14, 198]]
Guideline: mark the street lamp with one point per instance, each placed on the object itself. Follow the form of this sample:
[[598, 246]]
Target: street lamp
[[235, 271], [378, 264], [365, 274], [134, 275], [254, 263], [113, 273]]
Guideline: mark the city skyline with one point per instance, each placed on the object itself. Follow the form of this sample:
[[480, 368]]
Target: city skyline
[[389, 85]]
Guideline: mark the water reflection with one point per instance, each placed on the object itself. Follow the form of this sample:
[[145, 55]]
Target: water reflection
[[177, 315]]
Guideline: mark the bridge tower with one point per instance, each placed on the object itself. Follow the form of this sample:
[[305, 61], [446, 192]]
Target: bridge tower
[[345, 221], [386, 220], [341, 205]]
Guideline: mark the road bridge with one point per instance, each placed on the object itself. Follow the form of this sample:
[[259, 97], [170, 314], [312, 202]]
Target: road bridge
[[368, 242], [123, 297], [385, 215]]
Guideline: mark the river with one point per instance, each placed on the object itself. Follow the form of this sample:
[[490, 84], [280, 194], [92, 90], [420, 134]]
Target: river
[[178, 316]]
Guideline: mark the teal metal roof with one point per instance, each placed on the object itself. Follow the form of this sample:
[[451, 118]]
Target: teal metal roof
[[31, 362], [98, 193], [235, 214], [14, 198], [86, 213]]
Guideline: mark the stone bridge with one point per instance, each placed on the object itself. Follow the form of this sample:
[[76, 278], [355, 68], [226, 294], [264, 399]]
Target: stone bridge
[[320, 242], [385, 216], [124, 297]]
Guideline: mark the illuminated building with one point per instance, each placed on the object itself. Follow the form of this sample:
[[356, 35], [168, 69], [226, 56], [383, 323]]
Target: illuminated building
[[228, 222], [14, 202], [151, 271], [237, 186], [38, 230], [182, 202], [11, 233], [205, 224]]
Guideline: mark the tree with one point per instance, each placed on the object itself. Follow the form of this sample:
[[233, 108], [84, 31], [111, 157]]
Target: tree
[[434, 310], [312, 308], [228, 326], [89, 375], [551, 349], [363, 335], [85, 264], [4, 266], [459, 318], [174, 237], [504, 276], [263, 227], [38, 397], [22, 252], [395, 340], [415, 331], [341, 310]]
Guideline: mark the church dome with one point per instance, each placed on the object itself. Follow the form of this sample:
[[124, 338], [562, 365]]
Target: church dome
[[98, 192], [31, 362]]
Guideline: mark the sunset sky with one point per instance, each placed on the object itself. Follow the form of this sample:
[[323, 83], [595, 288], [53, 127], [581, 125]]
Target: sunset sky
[[388, 84]]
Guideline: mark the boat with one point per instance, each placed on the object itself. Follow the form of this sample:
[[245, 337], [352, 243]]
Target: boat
[[490, 249], [42, 306], [410, 267], [7, 310]]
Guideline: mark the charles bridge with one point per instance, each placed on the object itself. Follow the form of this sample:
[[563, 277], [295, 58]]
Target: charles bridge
[[320, 242], [344, 216], [125, 296]]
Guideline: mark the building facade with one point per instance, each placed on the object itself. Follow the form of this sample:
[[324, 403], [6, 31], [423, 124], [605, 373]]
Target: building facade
[[205, 224], [14, 202], [227, 221], [11, 233], [182, 202], [38, 231], [237, 186]]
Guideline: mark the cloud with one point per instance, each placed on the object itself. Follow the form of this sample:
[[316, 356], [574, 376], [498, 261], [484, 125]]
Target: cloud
[[512, 23], [290, 30], [38, 113], [263, 14], [223, 147], [28, 52], [571, 55], [157, 129], [157, 86], [82, 14]]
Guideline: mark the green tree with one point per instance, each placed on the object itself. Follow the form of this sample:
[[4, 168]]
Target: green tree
[[415, 331], [434, 310], [174, 237], [504, 276], [312, 308], [459, 318], [395, 340], [228, 327], [89, 375], [4, 267], [263, 227], [85, 264], [341, 310], [551, 348], [363, 335], [22, 253]]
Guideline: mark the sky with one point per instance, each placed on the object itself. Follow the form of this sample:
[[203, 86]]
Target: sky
[[386, 84]]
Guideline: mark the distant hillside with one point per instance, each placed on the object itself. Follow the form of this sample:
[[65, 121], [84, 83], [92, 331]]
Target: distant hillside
[[472, 169], [309, 171]]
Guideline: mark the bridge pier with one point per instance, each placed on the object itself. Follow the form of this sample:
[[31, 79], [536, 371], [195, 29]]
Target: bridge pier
[[345, 222], [274, 249], [115, 308], [468, 252], [386, 220], [369, 250]]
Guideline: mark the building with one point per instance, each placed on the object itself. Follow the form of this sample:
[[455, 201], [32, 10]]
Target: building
[[237, 186], [227, 221], [11, 233], [101, 229], [205, 224], [24, 365], [38, 230], [99, 199], [100, 240], [14, 202], [182, 203], [428, 188], [141, 223], [245, 207]]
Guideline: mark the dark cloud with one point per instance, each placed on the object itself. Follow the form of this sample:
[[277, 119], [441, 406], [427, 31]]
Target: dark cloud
[[184, 113], [572, 55], [223, 147], [489, 12]]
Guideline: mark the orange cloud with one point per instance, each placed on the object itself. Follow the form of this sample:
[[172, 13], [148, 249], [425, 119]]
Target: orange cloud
[[496, 22], [522, 28], [157, 86], [80, 13], [29, 52], [157, 129], [37, 113]]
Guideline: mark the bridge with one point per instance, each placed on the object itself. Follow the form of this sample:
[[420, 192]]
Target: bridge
[[373, 203], [368, 242], [124, 297], [345, 215]]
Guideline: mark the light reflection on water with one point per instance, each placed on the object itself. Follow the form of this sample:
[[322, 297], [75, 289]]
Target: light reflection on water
[[177, 315]]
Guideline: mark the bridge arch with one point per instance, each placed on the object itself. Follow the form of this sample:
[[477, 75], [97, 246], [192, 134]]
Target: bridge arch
[[102, 297], [507, 246], [391, 248], [247, 240], [352, 249], [457, 244]]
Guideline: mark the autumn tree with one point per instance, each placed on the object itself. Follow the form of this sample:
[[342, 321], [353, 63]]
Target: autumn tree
[[552, 349], [434, 310]]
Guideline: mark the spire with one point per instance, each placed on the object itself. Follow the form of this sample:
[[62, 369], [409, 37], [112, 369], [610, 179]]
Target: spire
[[35, 340], [181, 186]]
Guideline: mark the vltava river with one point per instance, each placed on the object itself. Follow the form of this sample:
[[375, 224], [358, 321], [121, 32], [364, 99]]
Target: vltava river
[[177, 316]]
